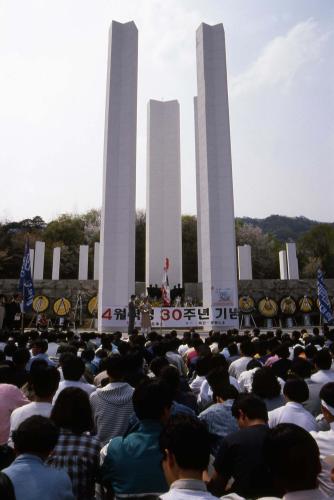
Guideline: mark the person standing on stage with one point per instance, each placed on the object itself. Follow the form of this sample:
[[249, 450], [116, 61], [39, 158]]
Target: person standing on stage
[[145, 310], [132, 314]]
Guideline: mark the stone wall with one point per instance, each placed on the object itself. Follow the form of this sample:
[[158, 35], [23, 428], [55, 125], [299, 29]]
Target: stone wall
[[70, 289]]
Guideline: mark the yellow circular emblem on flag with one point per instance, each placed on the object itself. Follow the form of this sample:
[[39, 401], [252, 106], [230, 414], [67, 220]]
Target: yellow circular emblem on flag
[[40, 303], [62, 306]]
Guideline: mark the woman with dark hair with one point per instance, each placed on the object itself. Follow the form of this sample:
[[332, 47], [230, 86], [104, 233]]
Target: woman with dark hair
[[77, 451], [6, 488], [267, 387]]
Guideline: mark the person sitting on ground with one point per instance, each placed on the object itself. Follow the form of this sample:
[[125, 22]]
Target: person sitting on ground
[[73, 369], [303, 369], [239, 365], [323, 363], [183, 401], [266, 386], [293, 457], [325, 439], [240, 455], [202, 368], [218, 417], [44, 381], [184, 444], [10, 398], [283, 363], [174, 358], [296, 392], [204, 398], [112, 405], [131, 467], [39, 349], [20, 374], [246, 378], [34, 440], [76, 451]]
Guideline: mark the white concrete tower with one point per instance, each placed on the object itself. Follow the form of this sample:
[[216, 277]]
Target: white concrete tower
[[56, 263], [283, 266], [39, 260], [83, 262], [117, 237], [245, 262], [292, 261], [219, 267], [198, 200], [163, 192]]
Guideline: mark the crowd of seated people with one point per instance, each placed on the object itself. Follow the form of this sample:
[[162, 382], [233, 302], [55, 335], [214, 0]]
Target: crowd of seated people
[[235, 415]]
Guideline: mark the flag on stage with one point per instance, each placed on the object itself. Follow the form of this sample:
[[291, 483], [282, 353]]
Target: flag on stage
[[26, 286], [165, 285], [324, 303]]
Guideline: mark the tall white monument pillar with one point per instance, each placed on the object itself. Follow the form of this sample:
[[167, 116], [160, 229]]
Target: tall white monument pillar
[[292, 261], [198, 200], [117, 237], [83, 262], [283, 266], [219, 267], [245, 262], [39, 260], [56, 263], [96, 260], [163, 192]]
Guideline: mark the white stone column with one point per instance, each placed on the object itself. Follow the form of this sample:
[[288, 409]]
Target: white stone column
[[292, 261], [32, 255], [163, 192], [245, 262], [96, 260], [56, 263], [39, 260], [283, 266], [117, 237], [198, 200], [219, 267], [83, 262]]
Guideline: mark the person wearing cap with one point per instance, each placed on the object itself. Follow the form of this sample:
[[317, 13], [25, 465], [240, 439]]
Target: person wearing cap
[[325, 439]]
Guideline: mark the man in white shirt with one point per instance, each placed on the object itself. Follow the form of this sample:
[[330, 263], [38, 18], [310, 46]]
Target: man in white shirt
[[325, 439], [295, 392], [44, 380], [73, 369], [240, 365], [185, 447], [323, 363]]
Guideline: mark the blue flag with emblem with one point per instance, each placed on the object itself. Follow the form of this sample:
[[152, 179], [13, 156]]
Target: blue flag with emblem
[[324, 302], [26, 286]]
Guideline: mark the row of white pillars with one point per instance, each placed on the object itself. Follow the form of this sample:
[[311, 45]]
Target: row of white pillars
[[37, 261]]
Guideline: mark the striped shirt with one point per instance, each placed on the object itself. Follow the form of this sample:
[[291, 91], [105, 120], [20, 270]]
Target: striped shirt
[[112, 409]]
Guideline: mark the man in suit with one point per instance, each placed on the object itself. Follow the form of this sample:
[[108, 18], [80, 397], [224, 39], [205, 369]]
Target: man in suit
[[132, 314]]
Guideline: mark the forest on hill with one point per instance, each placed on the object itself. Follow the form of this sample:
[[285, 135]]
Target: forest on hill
[[315, 243]]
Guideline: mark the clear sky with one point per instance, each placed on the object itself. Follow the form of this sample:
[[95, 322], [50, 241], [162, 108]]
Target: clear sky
[[53, 62]]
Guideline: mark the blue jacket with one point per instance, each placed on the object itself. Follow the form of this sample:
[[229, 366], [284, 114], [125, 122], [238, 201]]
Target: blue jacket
[[133, 462], [33, 479]]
